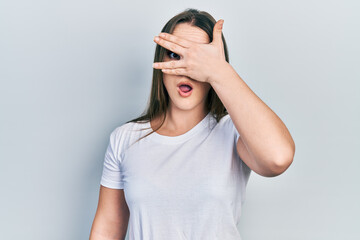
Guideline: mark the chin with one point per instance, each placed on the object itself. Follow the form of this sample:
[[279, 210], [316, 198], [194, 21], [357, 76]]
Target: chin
[[186, 103], [185, 107]]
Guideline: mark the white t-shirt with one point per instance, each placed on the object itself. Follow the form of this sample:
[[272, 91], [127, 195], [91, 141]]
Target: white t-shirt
[[190, 186]]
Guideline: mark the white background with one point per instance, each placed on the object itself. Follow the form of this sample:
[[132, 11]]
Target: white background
[[72, 71]]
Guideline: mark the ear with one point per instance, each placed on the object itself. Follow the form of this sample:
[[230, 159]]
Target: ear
[[217, 32]]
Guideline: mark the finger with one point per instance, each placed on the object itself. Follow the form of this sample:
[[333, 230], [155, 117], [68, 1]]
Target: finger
[[169, 64], [217, 40], [175, 39], [175, 71], [170, 46]]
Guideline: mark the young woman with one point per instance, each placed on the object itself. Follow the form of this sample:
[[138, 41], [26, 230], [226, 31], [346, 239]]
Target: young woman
[[180, 171]]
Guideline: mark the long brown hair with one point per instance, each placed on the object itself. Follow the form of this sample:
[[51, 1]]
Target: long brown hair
[[159, 99]]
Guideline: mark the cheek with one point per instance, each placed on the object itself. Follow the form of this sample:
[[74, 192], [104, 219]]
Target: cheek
[[170, 81]]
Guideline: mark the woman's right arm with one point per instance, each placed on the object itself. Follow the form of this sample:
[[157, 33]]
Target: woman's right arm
[[112, 215]]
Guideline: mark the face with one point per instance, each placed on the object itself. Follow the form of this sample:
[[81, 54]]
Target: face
[[200, 89]]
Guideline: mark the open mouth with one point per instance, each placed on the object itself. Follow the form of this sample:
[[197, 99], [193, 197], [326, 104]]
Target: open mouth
[[185, 88]]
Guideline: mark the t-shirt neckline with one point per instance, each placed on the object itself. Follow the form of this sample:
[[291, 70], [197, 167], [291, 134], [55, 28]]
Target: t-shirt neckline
[[183, 137]]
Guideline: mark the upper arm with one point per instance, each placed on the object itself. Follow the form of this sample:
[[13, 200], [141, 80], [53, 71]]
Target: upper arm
[[112, 215], [249, 160], [246, 156]]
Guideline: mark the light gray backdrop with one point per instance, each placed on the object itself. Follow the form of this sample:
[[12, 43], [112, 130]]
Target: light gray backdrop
[[72, 71]]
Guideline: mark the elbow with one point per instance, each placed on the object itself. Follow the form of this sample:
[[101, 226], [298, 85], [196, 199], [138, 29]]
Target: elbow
[[282, 166], [282, 162]]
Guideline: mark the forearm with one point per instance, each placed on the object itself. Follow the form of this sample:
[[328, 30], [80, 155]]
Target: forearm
[[262, 131], [94, 235], [103, 229]]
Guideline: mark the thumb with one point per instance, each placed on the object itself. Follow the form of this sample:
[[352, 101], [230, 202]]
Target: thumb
[[217, 32]]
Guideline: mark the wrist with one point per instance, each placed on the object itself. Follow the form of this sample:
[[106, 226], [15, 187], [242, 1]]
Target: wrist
[[222, 70]]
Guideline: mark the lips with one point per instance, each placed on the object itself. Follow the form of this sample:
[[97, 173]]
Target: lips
[[185, 83], [185, 89]]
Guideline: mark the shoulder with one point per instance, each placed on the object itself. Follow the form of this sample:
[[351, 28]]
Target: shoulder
[[124, 135], [226, 121], [225, 118], [227, 127], [122, 130]]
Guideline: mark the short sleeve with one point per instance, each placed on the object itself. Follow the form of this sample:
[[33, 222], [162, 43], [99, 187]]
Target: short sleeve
[[237, 134], [111, 174], [232, 128], [246, 171]]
